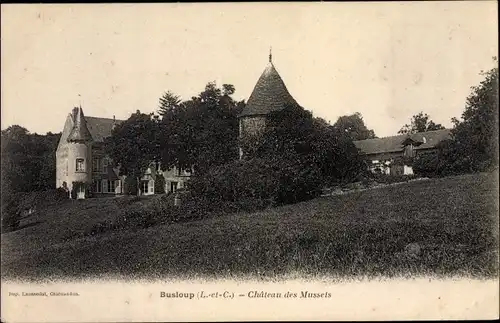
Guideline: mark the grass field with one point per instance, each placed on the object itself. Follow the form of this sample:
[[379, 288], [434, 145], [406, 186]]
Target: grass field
[[435, 227]]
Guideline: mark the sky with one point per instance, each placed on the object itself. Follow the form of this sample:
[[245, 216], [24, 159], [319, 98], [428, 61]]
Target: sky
[[387, 60]]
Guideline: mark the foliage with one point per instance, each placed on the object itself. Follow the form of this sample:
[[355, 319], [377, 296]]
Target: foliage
[[474, 143], [133, 144], [13, 205], [27, 160], [354, 127], [475, 137], [168, 102], [257, 183], [293, 134], [420, 123], [130, 185], [201, 132], [159, 184]]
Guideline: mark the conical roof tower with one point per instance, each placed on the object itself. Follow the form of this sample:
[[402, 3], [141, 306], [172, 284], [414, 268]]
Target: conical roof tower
[[269, 94], [80, 132]]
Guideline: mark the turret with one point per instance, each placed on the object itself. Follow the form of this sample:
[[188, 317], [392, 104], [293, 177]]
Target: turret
[[269, 94], [79, 150]]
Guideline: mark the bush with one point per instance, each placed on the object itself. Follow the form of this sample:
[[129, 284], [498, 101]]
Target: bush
[[14, 204], [255, 184], [130, 186], [159, 184], [11, 213]]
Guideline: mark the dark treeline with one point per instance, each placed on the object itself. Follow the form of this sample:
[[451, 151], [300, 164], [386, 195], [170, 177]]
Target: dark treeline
[[28, 160]]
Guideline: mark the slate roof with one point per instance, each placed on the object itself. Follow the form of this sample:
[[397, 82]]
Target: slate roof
[[269, 94], [395, 143], [79, 132], [100, 128]]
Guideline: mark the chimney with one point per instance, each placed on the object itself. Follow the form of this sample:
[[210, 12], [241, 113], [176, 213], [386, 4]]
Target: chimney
[[114, 123]]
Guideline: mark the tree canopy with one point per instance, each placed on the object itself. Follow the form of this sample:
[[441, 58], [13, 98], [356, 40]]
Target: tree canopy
[[133, 144], [473, 146], [420, 123], [293, 133], [201, 132], [28, 160], [354, 127], [476, 135]]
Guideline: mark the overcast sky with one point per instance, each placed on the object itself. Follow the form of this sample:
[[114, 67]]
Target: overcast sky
[[387, 61]]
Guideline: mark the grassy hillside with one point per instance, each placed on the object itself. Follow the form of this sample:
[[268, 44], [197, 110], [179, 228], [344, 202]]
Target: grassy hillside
[[445, 226]]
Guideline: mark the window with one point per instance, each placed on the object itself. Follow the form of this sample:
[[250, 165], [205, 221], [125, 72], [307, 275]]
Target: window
[[96, 164], [97, 187], [111, 186], [80, 165], [144, 187], [104, 165]]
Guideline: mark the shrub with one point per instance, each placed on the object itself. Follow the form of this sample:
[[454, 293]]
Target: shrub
[[130, 186], [255, 184], [159, 184], [11, 213], [13, 205]]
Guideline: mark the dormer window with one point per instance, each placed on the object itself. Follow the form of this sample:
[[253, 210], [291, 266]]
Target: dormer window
[[80, 165]]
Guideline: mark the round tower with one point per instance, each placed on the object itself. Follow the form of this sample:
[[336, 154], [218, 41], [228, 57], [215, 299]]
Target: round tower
[[269, 94], [79, 153]]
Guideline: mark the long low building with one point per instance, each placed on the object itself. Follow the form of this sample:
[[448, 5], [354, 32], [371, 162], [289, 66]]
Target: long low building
[[382, 152]]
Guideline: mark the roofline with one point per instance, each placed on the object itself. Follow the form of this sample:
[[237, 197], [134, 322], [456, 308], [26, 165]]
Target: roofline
[[395, 151]]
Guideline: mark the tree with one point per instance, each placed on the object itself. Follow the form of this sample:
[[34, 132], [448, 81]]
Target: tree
[[420, 123], [293, 134], [473, 146], [169, 101], [202, 132], [28, 160], [354, 127], [475, 137], [133, 145]]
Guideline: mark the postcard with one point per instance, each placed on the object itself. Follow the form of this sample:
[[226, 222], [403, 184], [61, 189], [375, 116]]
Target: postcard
[[249, 161]]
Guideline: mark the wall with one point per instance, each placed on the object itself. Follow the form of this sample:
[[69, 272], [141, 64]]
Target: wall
[[173, 176], [79, 150], [62, 153], [252, 125]]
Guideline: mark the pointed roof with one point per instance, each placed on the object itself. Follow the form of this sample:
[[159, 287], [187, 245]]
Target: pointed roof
[[269, 94], [425, 140], [80, 132]]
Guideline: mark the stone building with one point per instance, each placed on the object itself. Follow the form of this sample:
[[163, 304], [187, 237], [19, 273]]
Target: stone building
[[269, 94], [80, 157], [383, 152]]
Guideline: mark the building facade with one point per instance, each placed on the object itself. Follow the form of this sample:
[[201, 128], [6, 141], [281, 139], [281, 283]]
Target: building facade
[[81, 158], [381, 153]]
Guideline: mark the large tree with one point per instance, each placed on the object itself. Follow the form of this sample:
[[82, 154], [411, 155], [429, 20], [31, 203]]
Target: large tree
[[133, 144], [354, 127], [473, 146], [420, 122], [201, 132], [293, 134], [476, 135], [168, 102], [28, 160]]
